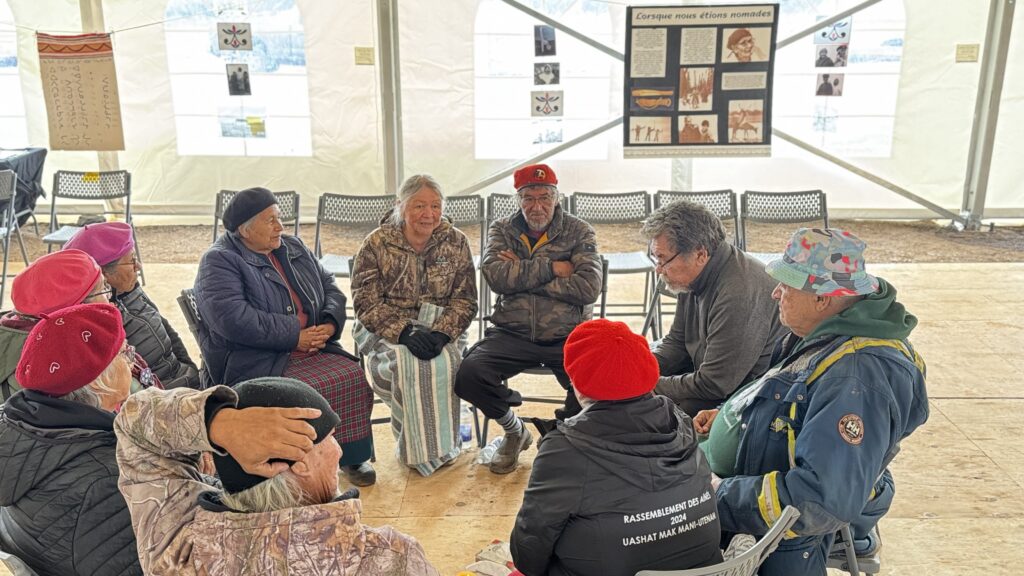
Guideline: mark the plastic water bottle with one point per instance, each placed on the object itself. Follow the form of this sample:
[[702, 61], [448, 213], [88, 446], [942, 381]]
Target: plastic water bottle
[[465, 424], [487, 453]]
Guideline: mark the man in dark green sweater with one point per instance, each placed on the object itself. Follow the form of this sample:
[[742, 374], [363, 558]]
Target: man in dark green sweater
[[726, 323]]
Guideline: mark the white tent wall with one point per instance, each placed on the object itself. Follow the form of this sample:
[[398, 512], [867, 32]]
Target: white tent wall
[[1006, 181], [931, 137]]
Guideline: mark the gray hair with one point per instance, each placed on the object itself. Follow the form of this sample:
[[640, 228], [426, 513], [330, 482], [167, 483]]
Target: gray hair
[[553, 189], [277, 493], [92, 393], [689, 227], [410, 187]]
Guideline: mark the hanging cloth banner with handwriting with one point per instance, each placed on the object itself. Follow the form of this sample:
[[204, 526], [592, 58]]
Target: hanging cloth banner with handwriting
[[80, 88]]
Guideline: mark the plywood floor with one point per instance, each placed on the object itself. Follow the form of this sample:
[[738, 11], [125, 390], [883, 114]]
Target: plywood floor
[[959, 505]]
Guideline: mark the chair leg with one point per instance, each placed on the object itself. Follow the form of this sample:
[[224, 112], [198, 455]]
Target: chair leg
[[3, 279], [851, 553], [35, 223], [21, 243], [138, 256]]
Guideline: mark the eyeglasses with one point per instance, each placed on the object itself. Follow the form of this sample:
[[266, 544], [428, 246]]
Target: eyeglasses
[[661, 265], [129, 353], [133, 262], [542, 199]]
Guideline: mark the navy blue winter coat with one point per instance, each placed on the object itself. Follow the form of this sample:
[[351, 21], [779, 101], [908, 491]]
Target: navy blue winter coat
[[249, 325]]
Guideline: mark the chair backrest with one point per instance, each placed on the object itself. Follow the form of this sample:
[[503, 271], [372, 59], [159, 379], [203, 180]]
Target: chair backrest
[[782, 208], [190, 309], [616, 208], [721, 203], [288, 202], [747, 563], [8, 185], [91, 186], [468, 210], [346, 209]]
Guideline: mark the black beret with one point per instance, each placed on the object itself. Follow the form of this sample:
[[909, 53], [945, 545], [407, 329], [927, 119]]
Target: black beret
[[245, 205]]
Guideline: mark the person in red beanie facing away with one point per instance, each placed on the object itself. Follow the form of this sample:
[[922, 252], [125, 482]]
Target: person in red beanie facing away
[[544, 266], [50, 283], [60, 509], [622, 486], [112, 246]]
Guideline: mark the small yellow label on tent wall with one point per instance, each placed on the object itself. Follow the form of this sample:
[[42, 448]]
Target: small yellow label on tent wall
[[364, 56], [967, 52]]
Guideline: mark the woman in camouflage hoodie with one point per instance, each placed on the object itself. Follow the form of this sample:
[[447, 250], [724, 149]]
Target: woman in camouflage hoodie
[[414, 294]]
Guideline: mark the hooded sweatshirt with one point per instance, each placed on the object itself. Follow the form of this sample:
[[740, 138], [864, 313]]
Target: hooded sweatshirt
[[619, 488], [61, 510], [878, 315]]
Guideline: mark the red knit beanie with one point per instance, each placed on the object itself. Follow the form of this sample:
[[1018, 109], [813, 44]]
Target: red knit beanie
[[54, 281], [607, 361], [70, 348]]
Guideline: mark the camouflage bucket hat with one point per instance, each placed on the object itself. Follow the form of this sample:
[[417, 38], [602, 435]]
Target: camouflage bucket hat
[[827, 262]]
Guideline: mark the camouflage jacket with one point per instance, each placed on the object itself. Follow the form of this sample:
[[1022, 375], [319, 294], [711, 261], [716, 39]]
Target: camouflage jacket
[[390, 280], [532, 301], [160, 435]]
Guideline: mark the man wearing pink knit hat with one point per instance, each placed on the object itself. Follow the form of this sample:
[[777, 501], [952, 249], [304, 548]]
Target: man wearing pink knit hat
[[112, 245], [622, 486]]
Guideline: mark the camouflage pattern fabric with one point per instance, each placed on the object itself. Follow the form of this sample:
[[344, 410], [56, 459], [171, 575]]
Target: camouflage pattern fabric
[[160, 436], [826, 262], [390, 281], [532, 301]]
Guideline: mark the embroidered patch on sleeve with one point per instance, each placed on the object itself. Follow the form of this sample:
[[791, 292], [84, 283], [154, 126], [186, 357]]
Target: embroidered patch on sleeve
[[851, 428]]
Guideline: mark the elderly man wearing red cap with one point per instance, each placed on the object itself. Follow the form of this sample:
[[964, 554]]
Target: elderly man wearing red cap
[[622, 486], [61, 509], [544, 266], [50, 283], [112, 246]]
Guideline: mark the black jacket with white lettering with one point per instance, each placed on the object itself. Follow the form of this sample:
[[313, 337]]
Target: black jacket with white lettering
[[620, 488]]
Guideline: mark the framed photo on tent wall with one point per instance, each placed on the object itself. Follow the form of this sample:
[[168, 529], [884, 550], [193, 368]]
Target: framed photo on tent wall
[[700, 79]]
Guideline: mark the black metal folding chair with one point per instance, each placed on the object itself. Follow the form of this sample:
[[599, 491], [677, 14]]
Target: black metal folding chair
[[288, 202]]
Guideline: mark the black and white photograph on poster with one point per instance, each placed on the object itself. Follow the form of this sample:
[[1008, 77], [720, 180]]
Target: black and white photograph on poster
[[746, 120], [714, 64], [547, 131], [830, 56], [659, 99], [234, 36], [746, 44], [238, 80], [698, 129], [650, 130], [546, 73], [543, 40], [547, 103], [835, 33], [697, 46], [696, 88], [830, 85]]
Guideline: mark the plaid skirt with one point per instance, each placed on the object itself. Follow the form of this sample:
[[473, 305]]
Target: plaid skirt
[[343, 383]]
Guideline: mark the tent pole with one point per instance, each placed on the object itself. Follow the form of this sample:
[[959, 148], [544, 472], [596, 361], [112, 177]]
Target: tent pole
[[389, 67]]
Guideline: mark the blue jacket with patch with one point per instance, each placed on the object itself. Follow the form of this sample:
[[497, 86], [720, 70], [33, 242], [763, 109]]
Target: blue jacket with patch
[[821, 430]]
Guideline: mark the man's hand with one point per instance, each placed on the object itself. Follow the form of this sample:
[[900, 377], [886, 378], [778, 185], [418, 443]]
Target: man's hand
[[255, 435], [702, 421], [562, 268], [508, 256], [715, 481], [313, 339]]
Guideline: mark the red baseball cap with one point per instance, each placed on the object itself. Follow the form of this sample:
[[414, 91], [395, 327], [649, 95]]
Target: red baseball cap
[[535, 175]]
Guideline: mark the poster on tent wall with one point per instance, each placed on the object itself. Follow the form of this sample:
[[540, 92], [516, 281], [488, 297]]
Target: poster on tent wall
[[699, 80], [80, 89]]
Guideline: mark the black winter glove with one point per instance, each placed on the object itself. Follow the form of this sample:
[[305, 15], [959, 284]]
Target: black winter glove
[[417, 339], [440, 340]]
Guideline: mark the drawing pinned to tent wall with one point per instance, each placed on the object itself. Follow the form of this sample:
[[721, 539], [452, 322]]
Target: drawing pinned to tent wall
[[234, 36]]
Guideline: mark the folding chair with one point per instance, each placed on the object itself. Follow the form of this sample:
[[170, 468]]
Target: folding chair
[[190, 310], [624, 208], [471, 210], [9, 221], [90, 186], [845, 557], [347, 210], [288, 202], [721, 203], [588, 313], [780, 208], [747, 563]]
